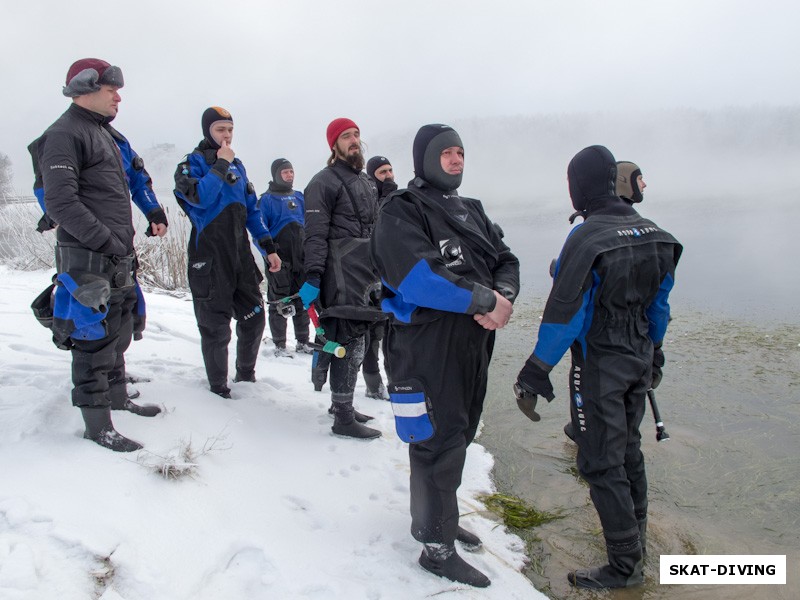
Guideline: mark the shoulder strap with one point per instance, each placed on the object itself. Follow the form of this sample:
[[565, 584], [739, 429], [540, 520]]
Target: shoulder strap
[[352, 200]]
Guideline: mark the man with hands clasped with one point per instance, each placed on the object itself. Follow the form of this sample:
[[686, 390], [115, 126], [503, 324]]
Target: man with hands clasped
[[449, 281]]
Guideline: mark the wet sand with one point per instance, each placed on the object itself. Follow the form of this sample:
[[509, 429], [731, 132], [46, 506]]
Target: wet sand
[[725, 483]]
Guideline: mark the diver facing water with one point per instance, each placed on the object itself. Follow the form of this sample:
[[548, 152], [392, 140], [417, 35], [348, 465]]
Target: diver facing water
[[609, 305]]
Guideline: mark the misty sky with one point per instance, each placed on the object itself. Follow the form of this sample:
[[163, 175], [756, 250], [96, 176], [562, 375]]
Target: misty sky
[[285, 69]]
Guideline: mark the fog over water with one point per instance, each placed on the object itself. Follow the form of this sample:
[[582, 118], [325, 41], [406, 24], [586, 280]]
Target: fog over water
[[725, 183]]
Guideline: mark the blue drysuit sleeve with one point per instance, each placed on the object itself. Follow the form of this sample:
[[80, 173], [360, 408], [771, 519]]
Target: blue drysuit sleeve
[[412, 267], [658, 311], [139, 182], [255, 220], [555, 337], [198, 185]]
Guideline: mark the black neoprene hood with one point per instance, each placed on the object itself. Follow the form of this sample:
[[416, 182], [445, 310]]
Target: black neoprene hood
[[592, 174], [429, 143]]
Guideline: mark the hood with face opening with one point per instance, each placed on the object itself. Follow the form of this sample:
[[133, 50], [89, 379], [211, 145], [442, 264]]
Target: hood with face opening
[[627, 181], [429, 143]]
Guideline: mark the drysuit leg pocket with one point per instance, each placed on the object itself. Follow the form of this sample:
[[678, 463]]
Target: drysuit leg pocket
[[413, 414]]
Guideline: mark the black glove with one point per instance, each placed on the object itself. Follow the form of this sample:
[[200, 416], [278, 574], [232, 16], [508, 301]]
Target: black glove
[[658, 362], [157, 216], [526, 401], [45, 224], [534, 380], [389, 186], [113, 247]]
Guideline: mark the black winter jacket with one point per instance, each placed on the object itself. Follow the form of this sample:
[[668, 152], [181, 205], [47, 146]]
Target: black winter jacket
[[86, 192], [330, 213]]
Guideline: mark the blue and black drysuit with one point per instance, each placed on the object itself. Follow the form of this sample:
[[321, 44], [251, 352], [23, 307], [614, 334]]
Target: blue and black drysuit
[[609, 306], [283, 211], [223, 276], [82, 185], [140, 186], [439, 258]]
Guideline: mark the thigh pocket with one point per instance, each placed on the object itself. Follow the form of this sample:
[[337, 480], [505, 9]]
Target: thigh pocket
[[200, 280], [281, 282], [413, 412]]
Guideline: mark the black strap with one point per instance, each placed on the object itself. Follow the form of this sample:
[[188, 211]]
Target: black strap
[[356, 210]]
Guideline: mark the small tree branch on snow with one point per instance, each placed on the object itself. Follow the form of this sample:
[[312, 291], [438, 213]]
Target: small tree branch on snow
[[182, 460]]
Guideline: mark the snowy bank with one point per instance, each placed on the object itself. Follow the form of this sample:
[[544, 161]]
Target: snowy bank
[[271, 505]]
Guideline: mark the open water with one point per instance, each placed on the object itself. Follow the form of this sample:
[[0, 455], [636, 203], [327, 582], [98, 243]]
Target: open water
[[727, 480]]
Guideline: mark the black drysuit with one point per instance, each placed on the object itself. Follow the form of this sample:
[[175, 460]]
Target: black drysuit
[[341, 205], [86, 192], [609, 305], [440, 257]]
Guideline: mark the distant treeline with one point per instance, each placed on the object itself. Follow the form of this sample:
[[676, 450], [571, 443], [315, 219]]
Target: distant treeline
[[687, 151]]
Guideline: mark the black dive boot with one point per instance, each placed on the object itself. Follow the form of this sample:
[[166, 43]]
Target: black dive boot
[[344, 419], [223, 391], [624, 567], [121, 401], [469, 540], [375, 387], [248, 376], [100, 430], [360, 417], [444, 561]]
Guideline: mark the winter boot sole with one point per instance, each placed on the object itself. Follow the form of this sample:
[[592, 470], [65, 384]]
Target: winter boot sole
[[601, 578], [355, 430]]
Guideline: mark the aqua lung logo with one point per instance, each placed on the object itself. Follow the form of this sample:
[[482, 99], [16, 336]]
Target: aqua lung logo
[[252, 313], [577, 397], [451, 252], [636, 231]]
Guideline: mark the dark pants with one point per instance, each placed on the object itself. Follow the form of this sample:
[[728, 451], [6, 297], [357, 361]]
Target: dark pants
[[372, 343], [280, 285], [607, 393], [220, 294], [98, 366], [449, 357], [343, 371]]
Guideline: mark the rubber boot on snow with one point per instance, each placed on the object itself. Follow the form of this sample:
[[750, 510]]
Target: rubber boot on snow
[[375, 387], [444, 561], [344, 419], [100, 430]]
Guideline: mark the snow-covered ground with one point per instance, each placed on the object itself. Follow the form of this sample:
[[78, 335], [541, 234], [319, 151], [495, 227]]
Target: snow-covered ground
[[276, 506]]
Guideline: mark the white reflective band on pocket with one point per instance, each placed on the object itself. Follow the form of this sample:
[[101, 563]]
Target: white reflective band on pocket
[[409, 409]]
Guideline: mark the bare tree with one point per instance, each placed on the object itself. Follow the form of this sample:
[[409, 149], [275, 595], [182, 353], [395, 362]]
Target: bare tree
[[6, 177]]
